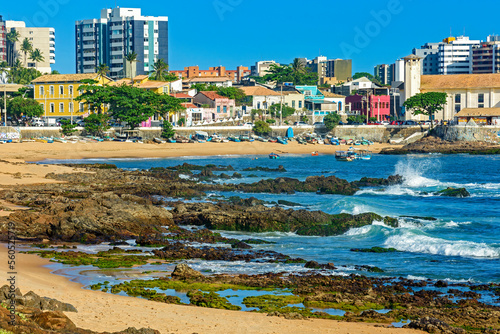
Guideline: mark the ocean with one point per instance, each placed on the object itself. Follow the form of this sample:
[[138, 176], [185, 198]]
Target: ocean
[[461, 245]]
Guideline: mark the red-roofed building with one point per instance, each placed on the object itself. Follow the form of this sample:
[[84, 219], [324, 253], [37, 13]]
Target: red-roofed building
[[3, 43], [223, 106], [220, 71]]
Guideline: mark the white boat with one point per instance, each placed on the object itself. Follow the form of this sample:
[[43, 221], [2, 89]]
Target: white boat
[[159, 141]]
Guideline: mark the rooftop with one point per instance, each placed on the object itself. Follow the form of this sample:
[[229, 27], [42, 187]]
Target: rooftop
[[66, 77], [478, 112], [209, 79], [212, 95], [258, 91], [459, 81]]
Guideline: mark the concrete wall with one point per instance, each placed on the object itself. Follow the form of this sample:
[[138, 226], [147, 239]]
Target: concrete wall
[[469, 133]]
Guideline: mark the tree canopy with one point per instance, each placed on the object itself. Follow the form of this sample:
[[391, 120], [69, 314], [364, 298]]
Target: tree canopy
[[331, 120], [426, 103], [287, 111], [18, 106], [261, 128], [294, 73], [230, 92], [23, 76]]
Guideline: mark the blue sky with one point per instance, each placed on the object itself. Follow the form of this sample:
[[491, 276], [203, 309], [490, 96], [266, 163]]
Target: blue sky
[[241, 32]]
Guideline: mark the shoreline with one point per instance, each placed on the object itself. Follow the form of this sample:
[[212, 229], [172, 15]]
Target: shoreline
[[36, 152], [110, 312]]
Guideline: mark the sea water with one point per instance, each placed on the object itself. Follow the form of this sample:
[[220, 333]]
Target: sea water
[[463, 244]]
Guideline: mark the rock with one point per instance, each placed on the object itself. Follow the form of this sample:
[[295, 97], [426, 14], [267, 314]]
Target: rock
[[454, 192], [288, 316], [316, 265], [54, 320], [241, 245], [433, 325], [133, 330], [288, 203], [182, 270]]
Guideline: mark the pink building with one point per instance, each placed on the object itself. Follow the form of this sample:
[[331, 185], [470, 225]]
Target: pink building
[[224, 107], [380, 105]]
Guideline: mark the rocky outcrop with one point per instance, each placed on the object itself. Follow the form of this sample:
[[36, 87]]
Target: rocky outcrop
[[453, 192], [433, 325], [184, 271], [34, 301]]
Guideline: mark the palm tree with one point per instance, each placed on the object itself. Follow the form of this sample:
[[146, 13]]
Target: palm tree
[[102, 70], [12, 37], [159, 68], [36, 56], [26, 48], [298, 66], [17, 64], [132, 58]]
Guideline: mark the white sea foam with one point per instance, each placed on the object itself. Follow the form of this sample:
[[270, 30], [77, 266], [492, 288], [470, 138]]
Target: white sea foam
[[416, 243], [412, 172]]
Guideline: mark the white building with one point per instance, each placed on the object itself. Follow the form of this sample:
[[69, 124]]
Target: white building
[[43, 39], [263, 98], [455, 55], [120, 31], [261, 68]]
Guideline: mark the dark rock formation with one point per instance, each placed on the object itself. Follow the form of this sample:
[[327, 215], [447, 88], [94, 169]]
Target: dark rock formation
[[184, 271], [454, 192]]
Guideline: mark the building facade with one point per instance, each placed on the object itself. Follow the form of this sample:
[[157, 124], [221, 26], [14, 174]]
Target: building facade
[[57, 93], [262, 98], [223, 106], [341, 69], [119, 32], [377, 106], [385, 73], [191, 72], [455, 55], [429, 52], [3, 45], [261, 68], [43, 39], [486, 57]]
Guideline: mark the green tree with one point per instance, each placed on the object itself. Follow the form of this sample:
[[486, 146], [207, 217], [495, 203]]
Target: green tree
[[26, 48], [426, 104], [233, 93], [201, 87], [359, 75], [94, 96], [287, 73], [160, 68], [331, 120], [132, 105], [304, 118], [55, 72], [11, 38], [261, 128], [23, 76], [287, 111], [19, 106], [102, 70], [167, 130], [67, 128], [96, 125], [356, 119], [36, 56]]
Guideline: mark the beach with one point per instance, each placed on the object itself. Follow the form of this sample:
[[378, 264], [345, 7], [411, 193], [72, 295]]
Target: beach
[[107, 312]]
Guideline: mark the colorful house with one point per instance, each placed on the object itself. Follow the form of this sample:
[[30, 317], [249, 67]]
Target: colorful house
[[262, 98], [379, 106], [57, 93], [223, 106]]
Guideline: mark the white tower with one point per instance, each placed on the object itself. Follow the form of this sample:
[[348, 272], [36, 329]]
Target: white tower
[[413, 72]]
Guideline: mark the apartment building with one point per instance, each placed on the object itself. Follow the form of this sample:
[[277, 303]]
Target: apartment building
[[340, 69], [43, 39], [385, 73], [429, 52], [3, 45], [486, 57], [454, 55], [117, 33], [261, 68]]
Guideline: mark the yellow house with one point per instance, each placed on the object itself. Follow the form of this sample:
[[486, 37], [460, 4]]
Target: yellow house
[[57, 93], [143, 82]]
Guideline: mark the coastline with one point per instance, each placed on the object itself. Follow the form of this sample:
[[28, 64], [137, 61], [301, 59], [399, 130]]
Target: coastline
[[108, 312], [35, 151]]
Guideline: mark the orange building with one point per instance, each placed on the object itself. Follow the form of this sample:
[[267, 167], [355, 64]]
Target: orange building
[[191, 72]]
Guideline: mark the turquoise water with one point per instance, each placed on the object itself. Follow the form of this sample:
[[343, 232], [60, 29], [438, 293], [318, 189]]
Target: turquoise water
[[462, 245]]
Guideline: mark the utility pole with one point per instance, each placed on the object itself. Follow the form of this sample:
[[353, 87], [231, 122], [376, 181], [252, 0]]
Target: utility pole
[[281, 105], [378, 106]]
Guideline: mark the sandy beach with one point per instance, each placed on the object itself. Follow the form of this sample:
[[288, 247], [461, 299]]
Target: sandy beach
[[100, 311]]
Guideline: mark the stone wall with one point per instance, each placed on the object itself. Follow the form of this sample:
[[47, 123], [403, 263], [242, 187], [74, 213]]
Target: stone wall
[[469, 133]]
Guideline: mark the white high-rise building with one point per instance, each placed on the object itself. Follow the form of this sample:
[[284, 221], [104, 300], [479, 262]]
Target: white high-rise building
[[455, 55], [43, 39], [117, 33]]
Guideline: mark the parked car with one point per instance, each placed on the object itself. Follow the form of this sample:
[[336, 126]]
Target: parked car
[[318, 124], [250, 124], [300, 124], [410, 122], [36, 121], [396, 123], [374, 123], [384, 122]]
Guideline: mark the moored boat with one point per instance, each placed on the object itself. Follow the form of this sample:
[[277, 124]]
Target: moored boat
[[274, 156]]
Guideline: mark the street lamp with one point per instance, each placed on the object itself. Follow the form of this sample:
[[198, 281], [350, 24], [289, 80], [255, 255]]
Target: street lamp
[[4, 82], [378, 109]]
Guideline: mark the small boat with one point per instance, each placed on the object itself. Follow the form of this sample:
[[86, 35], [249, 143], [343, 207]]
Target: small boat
[[159, 140], [202, 137], [345, 156], [60, 140], [363, 154], [315, 153], [301, 141], [357, 143], [244, 138], [282, 141], [264, 140], [234, 138], [273, 140], [274, 156], [171, 141]]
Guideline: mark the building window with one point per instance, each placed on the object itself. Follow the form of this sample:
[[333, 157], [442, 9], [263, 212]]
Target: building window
[[42, 91], [52, 108], [480, 100], [258, 105], [225, 109], [81, 107], [61, 90], [293, 104], [457, 108], [51, 90], [458, 98], [340, 106], [70, 89], [61, 107], [218, 109], [300, 104]]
